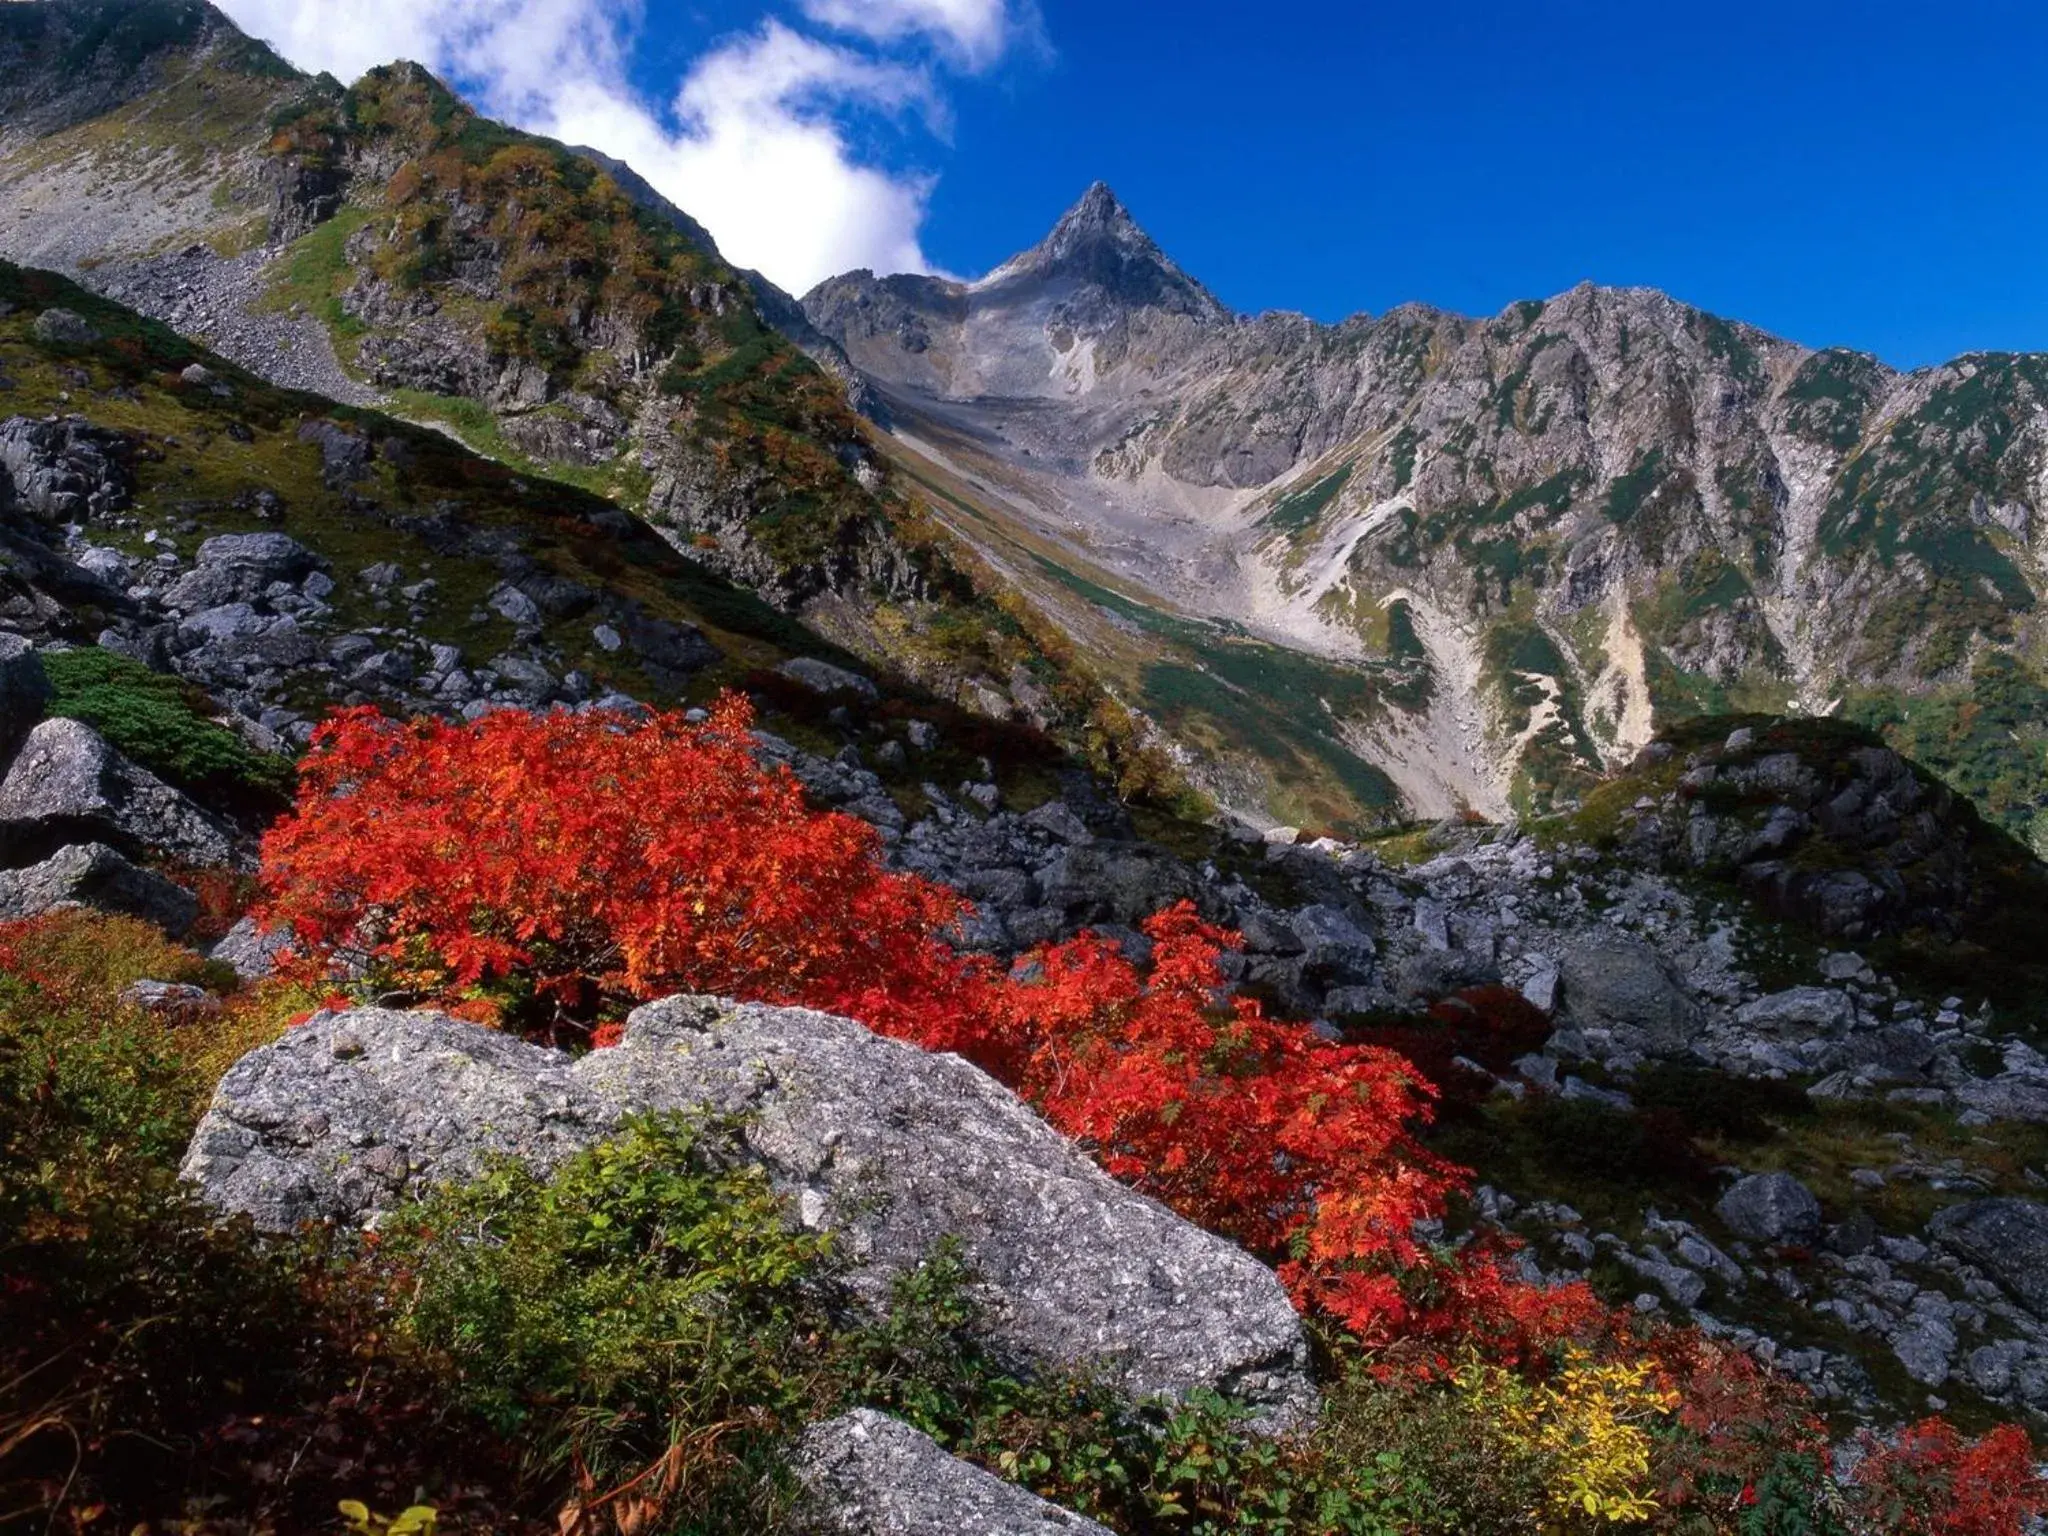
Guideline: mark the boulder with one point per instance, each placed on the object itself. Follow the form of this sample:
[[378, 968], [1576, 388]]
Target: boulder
[[240, 568], [94, 875], [66, 327], [64, 469], [2010, 1097], [24, 692], [1615, 982], [252, 952], [1332, 943], [866, 1474], [1799, 1013], [66, 785], [1770, 1208], [890, 1147], [823, 677], [2006, 1238]]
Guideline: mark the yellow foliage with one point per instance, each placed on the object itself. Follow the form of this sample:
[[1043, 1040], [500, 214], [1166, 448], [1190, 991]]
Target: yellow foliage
[[1587, 1427]]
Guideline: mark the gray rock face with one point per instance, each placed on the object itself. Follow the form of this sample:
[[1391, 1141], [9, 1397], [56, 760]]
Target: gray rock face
[[823, 677], [66, 327], [2006, 1238], [1619, 983], [1799, 1012], [1771, 1208], [889, 1146], [94, 875], [65, 470], [250, 951], [67, 785], [24, 691], [866, 1474]]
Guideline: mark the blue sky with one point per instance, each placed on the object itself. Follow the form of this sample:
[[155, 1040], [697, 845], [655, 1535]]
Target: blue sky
[[1872, 175]]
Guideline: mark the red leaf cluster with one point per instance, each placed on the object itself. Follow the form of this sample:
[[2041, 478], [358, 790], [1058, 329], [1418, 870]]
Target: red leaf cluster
[[601, 858], [586, 862], [1930, 1481]]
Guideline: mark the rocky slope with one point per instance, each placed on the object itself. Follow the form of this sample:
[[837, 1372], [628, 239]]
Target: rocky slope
[[1766, 949], [1499, 552], [385, 246], [1770, 944]]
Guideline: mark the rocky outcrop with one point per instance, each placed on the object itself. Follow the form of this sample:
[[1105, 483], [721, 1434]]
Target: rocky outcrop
[[94, 875], [866, 1474], [2009, 1238], [1770, 1208], [24, 691], [889, 1147], [66, 785]]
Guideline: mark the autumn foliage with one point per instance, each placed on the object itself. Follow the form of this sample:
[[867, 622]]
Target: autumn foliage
[[564, 866], [547, 872]]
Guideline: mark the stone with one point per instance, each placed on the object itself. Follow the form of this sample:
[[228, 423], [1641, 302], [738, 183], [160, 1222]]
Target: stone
[[1800, 1012], [252, 952], [273, 556], [2006, 1098], [64, 327], [1926, 1347], [866, 1474], [1540, 987], [1612, 981], [1770, 1208], [174, 998], [1059, 821], [890, 1147], [2006, 1238], [66, 785], [1332, 943], [514, 607], [823, 677], [94, 875], [24, 692]]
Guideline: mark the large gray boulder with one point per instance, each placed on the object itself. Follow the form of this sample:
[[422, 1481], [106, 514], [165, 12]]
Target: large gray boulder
[[94, 875], [1610, 981], [866, 1474], [251, 951], [1770, 1208], [1800, 1013], [2006, 1238], [890, 1147], [66, 785], [823, 677], [240, 568], [24, 692]]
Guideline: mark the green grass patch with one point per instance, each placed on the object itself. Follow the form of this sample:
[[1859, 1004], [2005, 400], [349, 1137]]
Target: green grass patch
[[162, 723]]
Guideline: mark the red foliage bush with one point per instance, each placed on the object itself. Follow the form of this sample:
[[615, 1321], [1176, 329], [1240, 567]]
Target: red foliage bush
[[567, 866], [1930, 1481], [603, 860], [597, 859]]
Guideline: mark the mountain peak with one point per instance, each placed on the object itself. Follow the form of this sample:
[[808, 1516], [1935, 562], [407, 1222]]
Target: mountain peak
[[1097, 244], [1098, 210]]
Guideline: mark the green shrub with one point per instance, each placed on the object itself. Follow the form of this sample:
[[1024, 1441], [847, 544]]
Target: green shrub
[[649, 1295], [161, 723]]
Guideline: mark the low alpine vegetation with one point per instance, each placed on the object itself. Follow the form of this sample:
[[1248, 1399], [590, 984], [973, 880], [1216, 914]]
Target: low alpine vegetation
[[630, 1342]]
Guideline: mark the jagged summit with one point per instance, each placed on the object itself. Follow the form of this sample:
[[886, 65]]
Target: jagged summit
[[1097, 243]]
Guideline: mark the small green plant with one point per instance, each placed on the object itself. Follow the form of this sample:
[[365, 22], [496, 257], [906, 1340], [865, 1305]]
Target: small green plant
[[419, 1520], [642, 1311], [159, 722]]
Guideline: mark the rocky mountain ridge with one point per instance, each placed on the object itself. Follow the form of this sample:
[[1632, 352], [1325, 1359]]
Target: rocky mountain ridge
[[1577, 519]]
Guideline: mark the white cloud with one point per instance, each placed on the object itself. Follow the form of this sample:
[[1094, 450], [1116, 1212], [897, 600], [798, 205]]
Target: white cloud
[[973, 32], [758, 143], [759, 156]]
